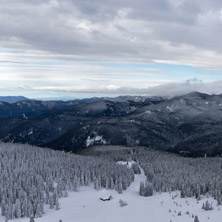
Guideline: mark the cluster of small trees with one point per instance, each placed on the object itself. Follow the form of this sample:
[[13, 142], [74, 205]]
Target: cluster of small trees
[[168, 172], [122, 203], [31, 177], [207, 206], [146, 189]]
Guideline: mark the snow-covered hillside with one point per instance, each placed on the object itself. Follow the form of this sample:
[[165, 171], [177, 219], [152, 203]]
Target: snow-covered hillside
[[154, 186], [86, 206]]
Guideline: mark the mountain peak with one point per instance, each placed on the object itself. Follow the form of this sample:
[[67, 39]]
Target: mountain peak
[[12, 99], [196, 94]]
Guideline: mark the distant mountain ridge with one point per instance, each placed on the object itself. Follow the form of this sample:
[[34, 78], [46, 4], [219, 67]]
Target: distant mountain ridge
[[189, 124], [12, 99]]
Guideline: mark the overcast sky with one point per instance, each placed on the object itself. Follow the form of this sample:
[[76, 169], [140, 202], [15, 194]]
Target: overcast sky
[[85, 48]]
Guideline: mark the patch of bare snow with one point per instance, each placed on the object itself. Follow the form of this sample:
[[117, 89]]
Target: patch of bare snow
[[94, 140], [170, 108], [24, 116], [30, 132], [148, 112], [128, 163]]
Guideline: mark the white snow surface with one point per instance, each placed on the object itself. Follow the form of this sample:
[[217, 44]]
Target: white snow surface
[[85, 206], [129, 164], [96, 139]]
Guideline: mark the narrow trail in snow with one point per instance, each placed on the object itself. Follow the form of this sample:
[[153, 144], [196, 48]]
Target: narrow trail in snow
[[134, 186]]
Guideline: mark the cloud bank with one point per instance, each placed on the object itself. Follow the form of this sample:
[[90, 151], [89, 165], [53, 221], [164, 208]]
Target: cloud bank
[[169, 89]]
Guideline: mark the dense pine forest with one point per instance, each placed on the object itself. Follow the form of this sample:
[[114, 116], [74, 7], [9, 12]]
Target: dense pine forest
[[192, 176], [32, 178]]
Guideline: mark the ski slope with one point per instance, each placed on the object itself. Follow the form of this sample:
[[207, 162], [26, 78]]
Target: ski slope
[[85, 206]]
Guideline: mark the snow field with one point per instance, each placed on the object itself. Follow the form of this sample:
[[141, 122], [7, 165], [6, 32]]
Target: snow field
[[85, 206]]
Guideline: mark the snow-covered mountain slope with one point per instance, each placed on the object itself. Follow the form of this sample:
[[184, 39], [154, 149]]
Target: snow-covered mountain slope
[[189, 124], [35, 182], [86, 206]]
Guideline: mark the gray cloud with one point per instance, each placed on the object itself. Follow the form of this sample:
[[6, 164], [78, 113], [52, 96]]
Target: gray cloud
[[179, 31], [61, 47]]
